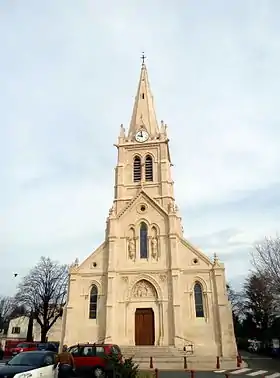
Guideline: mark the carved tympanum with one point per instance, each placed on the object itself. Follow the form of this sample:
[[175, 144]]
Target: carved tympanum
[[144, 289]]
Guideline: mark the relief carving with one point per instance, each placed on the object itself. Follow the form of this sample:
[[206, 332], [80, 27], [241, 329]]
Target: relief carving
[[125, 278], [162, 277], [143, 289], [172, 207]]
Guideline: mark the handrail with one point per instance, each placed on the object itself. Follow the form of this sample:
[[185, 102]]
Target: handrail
[[101, 340], [188, 344]]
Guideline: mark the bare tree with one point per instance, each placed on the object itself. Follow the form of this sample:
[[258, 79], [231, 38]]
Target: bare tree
[[236, 300], [266, 260], [43, 293], [259, 303], [7, 306]]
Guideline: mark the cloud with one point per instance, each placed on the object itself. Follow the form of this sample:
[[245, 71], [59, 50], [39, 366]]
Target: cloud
[[69, 73]]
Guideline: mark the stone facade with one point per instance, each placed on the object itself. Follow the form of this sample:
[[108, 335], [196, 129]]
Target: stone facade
[[146, 284]]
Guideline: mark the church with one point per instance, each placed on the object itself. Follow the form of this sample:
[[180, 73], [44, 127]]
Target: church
[[146, 284]]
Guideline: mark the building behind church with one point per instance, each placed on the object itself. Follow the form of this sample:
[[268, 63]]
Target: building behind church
[[145, 284]]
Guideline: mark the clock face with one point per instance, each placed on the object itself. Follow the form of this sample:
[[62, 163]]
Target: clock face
[[141, 136]]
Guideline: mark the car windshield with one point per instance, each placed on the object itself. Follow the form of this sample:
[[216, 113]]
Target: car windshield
[[42, 346], [27, 359], [22, 345]]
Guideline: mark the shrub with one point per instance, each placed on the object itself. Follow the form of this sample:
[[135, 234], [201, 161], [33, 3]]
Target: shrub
[[123, 369]]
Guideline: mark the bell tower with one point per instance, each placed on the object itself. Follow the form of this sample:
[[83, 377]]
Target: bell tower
[[143, 152]]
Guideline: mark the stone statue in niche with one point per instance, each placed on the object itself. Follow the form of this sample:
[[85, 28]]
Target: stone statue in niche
[[131, 248], [154, 244]]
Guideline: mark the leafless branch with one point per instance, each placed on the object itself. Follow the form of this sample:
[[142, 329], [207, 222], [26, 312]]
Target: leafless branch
[[43, 292], [7, 306], [236, 299], [266, 260], [259, 299]]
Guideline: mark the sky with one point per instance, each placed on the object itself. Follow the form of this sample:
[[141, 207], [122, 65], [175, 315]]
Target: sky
[[69, 71]]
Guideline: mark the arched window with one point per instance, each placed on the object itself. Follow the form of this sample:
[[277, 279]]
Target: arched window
[[198, 300], [143, 241], [149, 168], [137, 169], [93, 302]]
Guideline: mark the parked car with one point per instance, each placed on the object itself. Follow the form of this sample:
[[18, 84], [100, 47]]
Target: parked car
[[9, 346], [34, 364], [90, 359], [53, 347], [24, 347]]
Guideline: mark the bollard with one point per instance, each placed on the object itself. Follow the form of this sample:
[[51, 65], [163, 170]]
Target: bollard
[[156, 373], [151, 363], [192, 374], [185, 363], [218, 363], [238, 360]]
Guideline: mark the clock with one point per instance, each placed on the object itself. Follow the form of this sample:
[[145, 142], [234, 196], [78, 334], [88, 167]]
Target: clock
[[141, 136]]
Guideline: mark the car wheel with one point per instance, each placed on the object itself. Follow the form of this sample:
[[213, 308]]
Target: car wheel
[[98, 372]]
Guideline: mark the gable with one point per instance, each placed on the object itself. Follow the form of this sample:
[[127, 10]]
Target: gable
[[189, 257], [142, 208], [94, 263], [142, 196]]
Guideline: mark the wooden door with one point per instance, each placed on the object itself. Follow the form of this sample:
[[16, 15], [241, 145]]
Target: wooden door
[[144, 326]]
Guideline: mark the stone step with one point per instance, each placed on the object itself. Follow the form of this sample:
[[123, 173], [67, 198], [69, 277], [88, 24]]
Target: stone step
[[172, 358], [163, 352], [159, 360]]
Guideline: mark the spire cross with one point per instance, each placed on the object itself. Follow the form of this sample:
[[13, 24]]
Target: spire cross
[[143, 57]]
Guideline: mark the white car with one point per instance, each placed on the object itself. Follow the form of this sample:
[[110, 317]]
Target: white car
[[35, 364]]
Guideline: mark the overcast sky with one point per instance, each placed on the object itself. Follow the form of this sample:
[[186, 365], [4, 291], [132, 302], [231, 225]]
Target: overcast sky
[[69, 72]]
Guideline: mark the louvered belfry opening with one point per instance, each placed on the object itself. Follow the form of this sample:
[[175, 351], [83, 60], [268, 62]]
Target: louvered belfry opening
[[149, 168], [137, 169]]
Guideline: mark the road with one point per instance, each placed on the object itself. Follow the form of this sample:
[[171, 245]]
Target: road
[[258, 367], [251, 373], [256, 361]]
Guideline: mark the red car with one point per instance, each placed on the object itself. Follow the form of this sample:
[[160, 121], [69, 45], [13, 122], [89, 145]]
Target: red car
[[24, 347], [90, 359]]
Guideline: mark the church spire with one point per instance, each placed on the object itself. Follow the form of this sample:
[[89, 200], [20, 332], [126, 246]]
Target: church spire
[[143, 111]]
